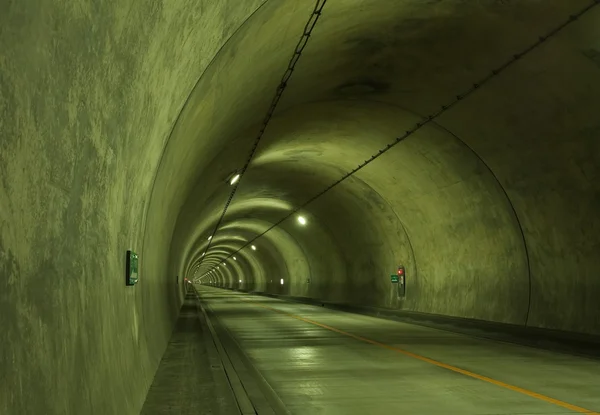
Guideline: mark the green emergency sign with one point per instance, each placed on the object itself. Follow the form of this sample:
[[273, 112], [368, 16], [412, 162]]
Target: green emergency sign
[[394, 278], [131, 273]]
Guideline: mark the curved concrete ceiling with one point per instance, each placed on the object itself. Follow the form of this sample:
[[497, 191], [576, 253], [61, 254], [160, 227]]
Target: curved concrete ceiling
[[453, 202], [122, 125]]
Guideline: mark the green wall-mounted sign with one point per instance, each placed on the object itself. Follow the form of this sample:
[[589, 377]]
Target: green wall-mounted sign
[[131, 273], [394, 278]]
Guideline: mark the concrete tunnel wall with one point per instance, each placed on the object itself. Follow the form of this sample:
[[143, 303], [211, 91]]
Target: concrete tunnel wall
[[119, 125]]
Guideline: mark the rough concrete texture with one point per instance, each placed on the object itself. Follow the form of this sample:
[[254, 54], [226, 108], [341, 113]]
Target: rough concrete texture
[[190, 379], [119, 124], [321, 361]]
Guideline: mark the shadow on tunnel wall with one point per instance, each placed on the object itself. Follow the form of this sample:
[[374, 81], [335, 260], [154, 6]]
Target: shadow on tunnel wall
[[120, 124], [488, 223]]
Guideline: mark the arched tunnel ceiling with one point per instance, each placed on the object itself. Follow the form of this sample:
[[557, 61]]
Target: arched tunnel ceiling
[[120, 123], [460, 188]]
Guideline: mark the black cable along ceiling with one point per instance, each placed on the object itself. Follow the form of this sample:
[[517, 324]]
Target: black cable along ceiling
[[426, 120], [308, 28]]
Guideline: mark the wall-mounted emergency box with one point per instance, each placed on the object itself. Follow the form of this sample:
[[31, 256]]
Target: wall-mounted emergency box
[[131, 268], [401, 274]]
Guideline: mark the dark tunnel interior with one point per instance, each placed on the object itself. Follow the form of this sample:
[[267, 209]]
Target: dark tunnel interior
[[122, 125]]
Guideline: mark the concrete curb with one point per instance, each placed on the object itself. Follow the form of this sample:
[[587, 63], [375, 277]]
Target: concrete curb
[[263, 397], [239, 393]]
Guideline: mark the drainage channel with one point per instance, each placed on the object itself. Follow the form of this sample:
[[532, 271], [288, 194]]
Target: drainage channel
[[252, 393]]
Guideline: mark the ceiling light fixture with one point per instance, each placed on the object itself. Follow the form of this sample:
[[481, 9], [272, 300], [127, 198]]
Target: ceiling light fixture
[[210, 237], [253, 248], [234, 258], [302, 220], [234, 179]]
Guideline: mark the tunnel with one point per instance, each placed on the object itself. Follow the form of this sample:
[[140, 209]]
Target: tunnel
[[425, 159]]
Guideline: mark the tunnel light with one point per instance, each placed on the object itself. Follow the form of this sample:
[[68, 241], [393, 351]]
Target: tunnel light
[[234, 258], [281, 281], [234, 179], [210, 237], [253, 248], [240, 280], [302, 220], [203, 253], [224, 264]]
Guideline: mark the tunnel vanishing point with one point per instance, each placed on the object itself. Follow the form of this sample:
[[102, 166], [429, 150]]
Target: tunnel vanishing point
[[457, 139]]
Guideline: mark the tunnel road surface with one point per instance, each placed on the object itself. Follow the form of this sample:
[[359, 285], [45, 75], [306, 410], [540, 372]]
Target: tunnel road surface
[[321, 361]]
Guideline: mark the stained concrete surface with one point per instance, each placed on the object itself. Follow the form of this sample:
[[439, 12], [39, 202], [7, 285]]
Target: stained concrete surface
[[120, 123], [454, 202], [187, 381], [315, 370]]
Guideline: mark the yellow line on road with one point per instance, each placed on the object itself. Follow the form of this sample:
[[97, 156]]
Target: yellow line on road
[[436, 363]]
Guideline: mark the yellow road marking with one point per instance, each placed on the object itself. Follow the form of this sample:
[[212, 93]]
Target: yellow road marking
[[436, 363]]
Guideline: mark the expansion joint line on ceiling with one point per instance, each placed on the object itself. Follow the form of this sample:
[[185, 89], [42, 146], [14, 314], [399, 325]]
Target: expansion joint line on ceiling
[[443, 109], [308, 29]]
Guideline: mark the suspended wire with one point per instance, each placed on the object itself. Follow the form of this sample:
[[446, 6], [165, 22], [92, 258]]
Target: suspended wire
[[300, 46], [428, 119]]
